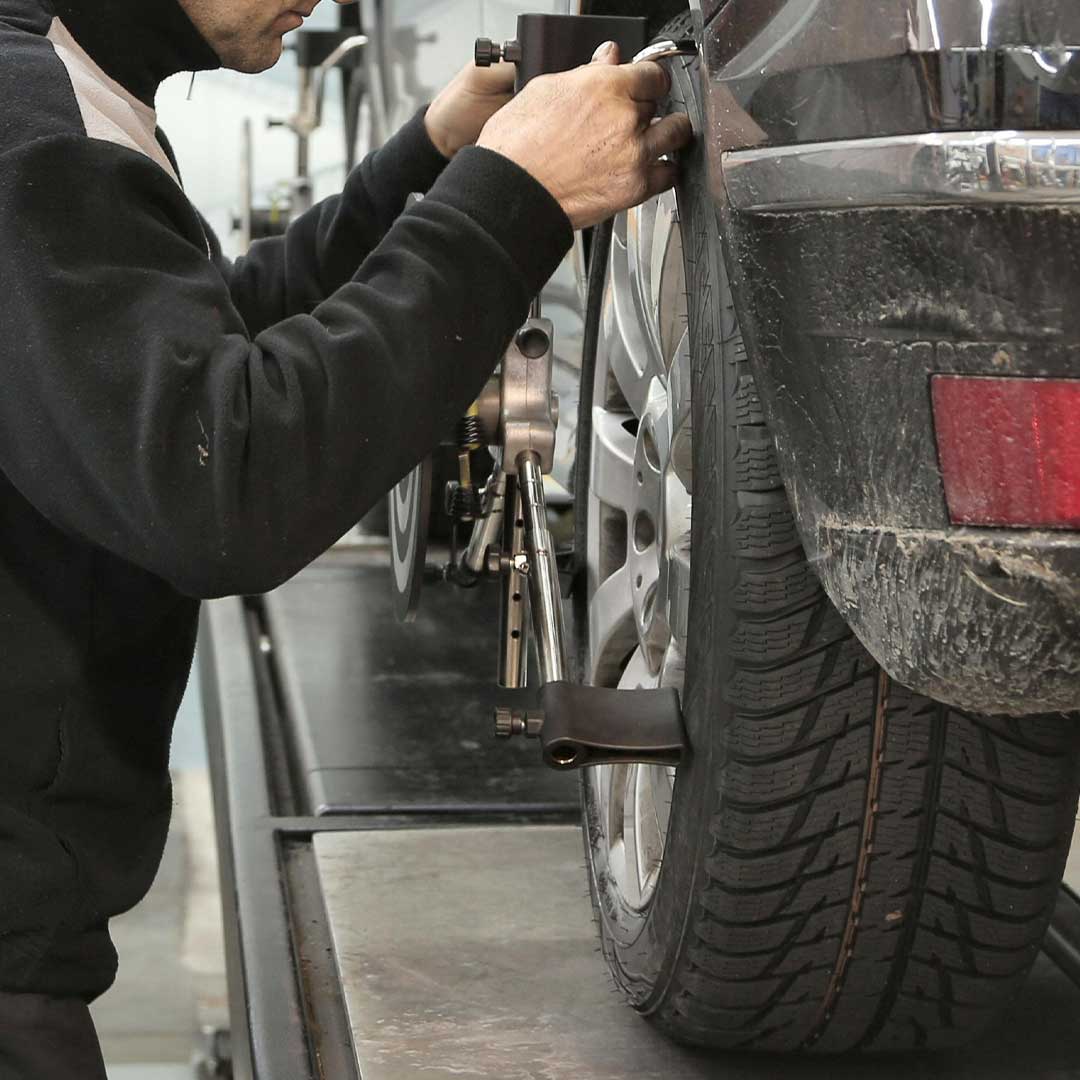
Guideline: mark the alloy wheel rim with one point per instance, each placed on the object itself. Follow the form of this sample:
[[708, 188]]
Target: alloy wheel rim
[[640, 503]]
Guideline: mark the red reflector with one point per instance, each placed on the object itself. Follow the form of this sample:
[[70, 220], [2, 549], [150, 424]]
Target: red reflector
[[1009, 449]]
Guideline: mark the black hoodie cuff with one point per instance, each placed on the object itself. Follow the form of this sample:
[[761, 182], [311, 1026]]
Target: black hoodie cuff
[[409, 161], [512, 207]]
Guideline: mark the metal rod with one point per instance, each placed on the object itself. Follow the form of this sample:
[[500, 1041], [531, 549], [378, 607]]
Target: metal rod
[[348, 46], [545, 597], [303, 130], [514, 627], [488, 531], [247, 175]]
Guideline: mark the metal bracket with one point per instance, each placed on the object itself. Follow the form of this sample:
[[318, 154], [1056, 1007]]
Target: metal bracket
[[551, 43], [591, 725], [528, 412]]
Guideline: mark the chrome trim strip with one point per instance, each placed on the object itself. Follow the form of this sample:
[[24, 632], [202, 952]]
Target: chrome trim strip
[[951, 167]]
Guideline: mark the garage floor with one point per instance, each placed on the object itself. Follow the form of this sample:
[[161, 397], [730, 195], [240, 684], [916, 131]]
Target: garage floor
[[171, 981]]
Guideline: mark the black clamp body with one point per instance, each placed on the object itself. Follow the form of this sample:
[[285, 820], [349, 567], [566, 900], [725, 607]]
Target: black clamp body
[[592, 725], [550, 43]]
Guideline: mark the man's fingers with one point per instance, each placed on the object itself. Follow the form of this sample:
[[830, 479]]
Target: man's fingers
[[646, 112], [497, 79], [668, 135], [646, 81], [608, 53], [501, 78], [661, 177]]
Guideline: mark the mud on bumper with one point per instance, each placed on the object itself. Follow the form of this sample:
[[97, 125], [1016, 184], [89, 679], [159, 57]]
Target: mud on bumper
[[986, 621]]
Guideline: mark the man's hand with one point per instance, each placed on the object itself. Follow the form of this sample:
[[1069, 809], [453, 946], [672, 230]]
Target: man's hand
[[458, 115], [589, 137]]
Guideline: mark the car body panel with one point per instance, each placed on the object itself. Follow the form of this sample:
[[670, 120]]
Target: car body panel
[[866, 260]]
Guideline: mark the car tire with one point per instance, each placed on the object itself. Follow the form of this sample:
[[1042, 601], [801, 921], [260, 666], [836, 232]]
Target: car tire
[[847, 865]]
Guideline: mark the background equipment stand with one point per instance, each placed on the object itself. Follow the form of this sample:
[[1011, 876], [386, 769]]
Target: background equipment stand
[[318, 52]]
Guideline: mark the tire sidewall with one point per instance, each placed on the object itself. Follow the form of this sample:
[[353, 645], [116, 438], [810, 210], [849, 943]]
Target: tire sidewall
[[644, 948]]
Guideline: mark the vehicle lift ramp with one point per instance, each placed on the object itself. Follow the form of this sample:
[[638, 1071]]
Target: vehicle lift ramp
[[398, 906]]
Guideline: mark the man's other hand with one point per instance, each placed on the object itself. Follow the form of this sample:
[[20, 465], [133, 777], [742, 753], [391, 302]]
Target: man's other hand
[[590, 138], [458, 115]]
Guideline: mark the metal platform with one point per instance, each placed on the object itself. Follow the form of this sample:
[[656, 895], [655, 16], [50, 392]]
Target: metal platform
[[406, 899], [386, 718]]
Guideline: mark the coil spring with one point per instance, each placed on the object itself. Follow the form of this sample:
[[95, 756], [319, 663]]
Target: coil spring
[[470, 433], [463, 503]]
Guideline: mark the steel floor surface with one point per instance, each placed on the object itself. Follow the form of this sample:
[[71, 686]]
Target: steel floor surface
[[471, 953], [458, 931]]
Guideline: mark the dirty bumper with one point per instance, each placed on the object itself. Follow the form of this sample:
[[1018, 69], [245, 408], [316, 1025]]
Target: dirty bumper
[[988, 623]]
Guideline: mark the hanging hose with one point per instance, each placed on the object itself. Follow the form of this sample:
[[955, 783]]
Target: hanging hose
[[599, 251]]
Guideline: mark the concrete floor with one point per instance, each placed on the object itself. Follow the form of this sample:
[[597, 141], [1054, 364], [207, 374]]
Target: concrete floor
[[172, 970], [172, 959]]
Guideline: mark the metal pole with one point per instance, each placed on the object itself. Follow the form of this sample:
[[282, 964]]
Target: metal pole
[[488, 533], [545, 597], [247, 191], [513, 640]]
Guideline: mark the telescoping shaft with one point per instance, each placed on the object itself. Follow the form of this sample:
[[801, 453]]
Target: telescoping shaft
[[545, 597]]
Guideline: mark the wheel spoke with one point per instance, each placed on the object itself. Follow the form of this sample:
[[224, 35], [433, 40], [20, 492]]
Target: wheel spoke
[[626, 351], [648, 833], [612, 466], [640, 245], [633, 875], [679, 385], [669, 281], [646, 582], [611, 627], [677, 590], [659, 277]]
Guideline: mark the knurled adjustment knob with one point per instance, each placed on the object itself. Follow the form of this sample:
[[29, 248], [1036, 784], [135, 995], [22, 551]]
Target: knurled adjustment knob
[[504, 722], [487, 52], [509, 723]]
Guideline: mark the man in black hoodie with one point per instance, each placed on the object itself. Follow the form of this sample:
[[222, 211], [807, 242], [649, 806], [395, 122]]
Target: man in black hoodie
[[173, 426]]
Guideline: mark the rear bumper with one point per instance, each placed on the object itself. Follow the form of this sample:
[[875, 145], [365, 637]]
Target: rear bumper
[[862, 270], [984, 620], [899, 188]]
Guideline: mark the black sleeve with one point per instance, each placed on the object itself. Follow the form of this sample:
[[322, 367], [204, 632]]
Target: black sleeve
[[138, 413], [322, 249]]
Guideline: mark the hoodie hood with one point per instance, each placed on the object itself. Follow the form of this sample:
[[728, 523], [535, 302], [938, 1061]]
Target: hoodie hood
[[139, 43]]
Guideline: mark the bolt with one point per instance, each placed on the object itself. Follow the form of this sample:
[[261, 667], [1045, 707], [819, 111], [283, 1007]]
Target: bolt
[[509, 723]]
